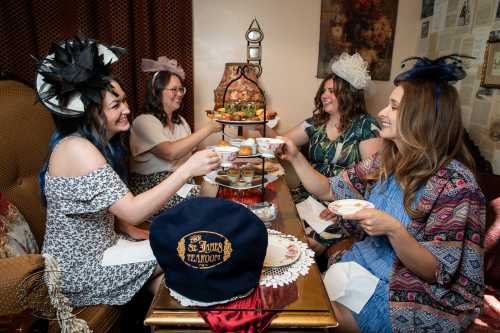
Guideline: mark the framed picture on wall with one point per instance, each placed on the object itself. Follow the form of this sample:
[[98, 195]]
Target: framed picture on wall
[[363, 26], [490, 74]]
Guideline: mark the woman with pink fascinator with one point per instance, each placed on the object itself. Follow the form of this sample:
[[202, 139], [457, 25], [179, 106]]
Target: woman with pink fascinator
[[160, 138]]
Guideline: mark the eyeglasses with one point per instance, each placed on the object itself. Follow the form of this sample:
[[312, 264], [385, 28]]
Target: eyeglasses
[[180, 90]]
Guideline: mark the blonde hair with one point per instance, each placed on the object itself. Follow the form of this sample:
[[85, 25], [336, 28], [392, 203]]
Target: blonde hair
[[430, 137]]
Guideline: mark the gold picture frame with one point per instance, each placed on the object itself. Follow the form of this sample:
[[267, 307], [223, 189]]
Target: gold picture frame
[[490, 73]]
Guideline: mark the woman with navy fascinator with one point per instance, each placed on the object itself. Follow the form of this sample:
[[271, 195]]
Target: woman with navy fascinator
[[83, 179], [419, 250]]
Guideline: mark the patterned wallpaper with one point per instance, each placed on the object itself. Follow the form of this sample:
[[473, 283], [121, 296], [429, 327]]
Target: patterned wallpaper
[[464, 26]]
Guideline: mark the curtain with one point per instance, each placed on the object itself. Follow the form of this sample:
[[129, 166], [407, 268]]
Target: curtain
[[147, 28]]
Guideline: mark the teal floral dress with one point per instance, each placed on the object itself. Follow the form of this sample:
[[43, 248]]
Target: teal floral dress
[[330, 157]]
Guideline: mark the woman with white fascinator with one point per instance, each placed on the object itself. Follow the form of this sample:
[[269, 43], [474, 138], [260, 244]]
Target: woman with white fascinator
[[160, 138], [340, 133], [83, 179]]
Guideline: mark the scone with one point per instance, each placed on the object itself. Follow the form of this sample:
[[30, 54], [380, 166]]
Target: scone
[[245, 151]]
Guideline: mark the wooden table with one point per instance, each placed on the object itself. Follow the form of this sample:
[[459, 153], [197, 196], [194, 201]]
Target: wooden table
[[310, 312]]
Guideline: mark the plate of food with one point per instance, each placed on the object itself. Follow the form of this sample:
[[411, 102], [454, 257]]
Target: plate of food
[[240, 117], [238, 180], [273, 168], [349, 206], [280, 252]]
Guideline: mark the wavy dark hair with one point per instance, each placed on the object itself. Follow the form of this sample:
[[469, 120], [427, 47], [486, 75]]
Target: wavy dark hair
[[351, 102], [91, 126], [153, 103]]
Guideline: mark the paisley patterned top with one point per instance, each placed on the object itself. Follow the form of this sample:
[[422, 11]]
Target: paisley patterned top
[[452, 229], [323, 151], [79, 229]]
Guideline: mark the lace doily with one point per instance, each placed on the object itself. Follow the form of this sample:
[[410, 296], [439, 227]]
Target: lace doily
[[279, 276]]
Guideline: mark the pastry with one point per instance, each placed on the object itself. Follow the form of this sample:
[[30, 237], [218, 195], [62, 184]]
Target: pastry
[[223, 143], [245, 150]]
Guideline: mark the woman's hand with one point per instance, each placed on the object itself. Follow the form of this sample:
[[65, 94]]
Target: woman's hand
[[288, 151], [214, 127], [201, 163], [375, 222], [327, 214]]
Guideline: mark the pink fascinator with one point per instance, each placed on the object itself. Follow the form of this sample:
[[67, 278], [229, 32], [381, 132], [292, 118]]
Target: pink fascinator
[[163, 64]]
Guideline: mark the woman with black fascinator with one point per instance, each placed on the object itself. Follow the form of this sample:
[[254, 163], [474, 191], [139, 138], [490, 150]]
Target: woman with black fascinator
[[83, 178], [419, 252]]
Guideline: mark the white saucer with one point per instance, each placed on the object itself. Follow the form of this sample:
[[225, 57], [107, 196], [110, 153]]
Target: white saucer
[[348, 206]]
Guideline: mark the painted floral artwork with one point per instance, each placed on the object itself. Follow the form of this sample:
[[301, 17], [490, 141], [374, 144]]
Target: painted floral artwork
[[363, 26]]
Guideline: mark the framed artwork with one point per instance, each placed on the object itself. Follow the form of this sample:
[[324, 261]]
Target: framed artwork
[[363, 26], [490, 74], [427, 8]]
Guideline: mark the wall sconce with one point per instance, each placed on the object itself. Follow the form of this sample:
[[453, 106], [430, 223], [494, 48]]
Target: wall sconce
[[254, 37]]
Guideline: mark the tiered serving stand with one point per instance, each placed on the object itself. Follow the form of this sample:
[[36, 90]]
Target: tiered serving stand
[[241, 123]]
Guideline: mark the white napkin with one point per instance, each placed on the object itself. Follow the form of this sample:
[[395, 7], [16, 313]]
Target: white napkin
[[273, 122], [184, 190], [350, 284], [309, 211], [127, 252]]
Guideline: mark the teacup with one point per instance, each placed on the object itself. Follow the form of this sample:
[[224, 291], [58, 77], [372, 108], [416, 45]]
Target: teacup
[[268, 146], [226, 154]]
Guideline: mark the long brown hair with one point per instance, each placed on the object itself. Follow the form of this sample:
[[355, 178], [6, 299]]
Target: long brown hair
[[429, 137], [351, 102], [153, 101]]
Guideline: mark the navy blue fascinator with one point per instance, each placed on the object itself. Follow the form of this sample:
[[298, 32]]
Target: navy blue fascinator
[[75, 71], [444, 69], [447, 68]]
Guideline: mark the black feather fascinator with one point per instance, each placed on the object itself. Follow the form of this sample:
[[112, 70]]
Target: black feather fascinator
[[70, 79], [447, 68]]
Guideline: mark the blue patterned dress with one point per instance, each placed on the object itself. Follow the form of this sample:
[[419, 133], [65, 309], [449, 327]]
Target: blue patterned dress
[[376, 254]]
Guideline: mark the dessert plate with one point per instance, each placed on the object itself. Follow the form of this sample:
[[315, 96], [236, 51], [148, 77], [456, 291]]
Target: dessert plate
[[349, 206], [214, 178], [280, 252]]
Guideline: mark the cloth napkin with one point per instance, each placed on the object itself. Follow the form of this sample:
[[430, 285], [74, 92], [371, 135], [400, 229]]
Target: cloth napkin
[[240, 321], [309, 211], [350, 284], [126, 252]]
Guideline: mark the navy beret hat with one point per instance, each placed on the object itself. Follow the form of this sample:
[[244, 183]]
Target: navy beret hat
[[211, 250]]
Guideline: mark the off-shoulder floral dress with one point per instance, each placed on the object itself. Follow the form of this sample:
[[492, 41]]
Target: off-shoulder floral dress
[[79, 229]]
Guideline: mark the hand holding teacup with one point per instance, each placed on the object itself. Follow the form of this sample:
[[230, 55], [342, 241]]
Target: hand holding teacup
[[269, 146], [375, 222], [288, 150]]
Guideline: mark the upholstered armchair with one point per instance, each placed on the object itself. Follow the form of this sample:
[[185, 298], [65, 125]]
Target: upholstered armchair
[[25, 128]]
